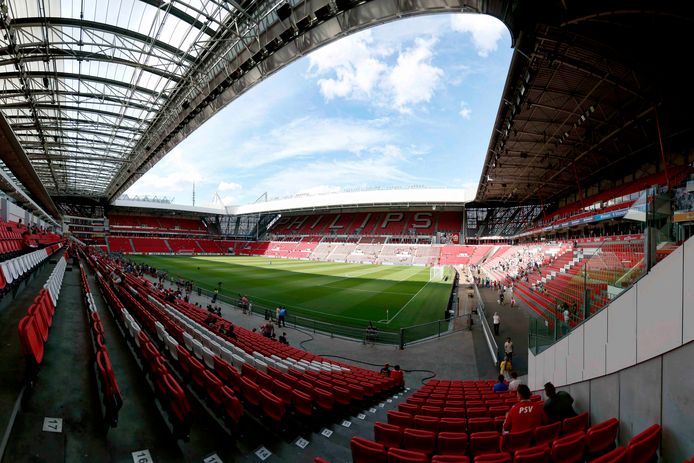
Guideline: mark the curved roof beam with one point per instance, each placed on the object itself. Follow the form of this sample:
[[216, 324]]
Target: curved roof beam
[[77, 109], [98, 26], [82, 77], [34, 54], [74, 124], [182, 15]]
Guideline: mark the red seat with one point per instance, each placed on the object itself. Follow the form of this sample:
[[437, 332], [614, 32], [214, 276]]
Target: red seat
[[283, 391], [341, 395], [214, 388], [547, 434], [178, 405], [227, 374], [366, 451], [452, 443], [396, 455], [601, 437], [250, 391], [480, 425], [403, 420], [428, 410], [477, 412], [454, 412], [643, 447], [272, 406], [387, 434], [539, 454], [482, 443], [618, 455], [499, 410], [324, 399], [426, 423], [419, 441], [494, 458], [450, 459], [302, 403], [408, 408], [453, 425], [232, 405], [577, 423], [320, 460], [31, 341], [569, 449], [516, 440]]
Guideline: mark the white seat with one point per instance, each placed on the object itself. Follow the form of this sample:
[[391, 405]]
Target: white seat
[[281, 366], [273, 356], [226, 355], [161, 331], [298, 368], [197, 349], [208, 357], [6, 272], [215, 348], [171, 344], [188, 341], [237, 360]]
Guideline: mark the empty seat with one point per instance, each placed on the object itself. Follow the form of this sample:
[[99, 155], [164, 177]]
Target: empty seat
[[403, 420], [547, 434], [302, 403], [494, 458], [232, 406], [454, 412], [213, 386], [568, 449], [452, 443], [387, 434], [512, 441], [643, 447], [366, 451], [419, 441], [426, 423], [273, 406], [396, 455], [453, 424], [577, 423], [450, 459], [618, 455], [600, 438], [480, 425], [539, 454], [482, 443], [250, 391]]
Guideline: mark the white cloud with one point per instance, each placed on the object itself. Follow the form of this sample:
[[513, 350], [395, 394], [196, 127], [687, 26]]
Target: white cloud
[[306, 137], [357, 68], [228, 186], [465, 111], [486, 31], [414, 79]]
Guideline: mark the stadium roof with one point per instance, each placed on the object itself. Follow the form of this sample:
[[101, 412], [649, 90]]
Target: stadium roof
[[97, 92], [597, 91]]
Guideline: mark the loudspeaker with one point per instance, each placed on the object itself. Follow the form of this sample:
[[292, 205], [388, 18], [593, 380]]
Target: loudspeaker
[[288, 35], [343, 5], [323, 13], [304, 24]]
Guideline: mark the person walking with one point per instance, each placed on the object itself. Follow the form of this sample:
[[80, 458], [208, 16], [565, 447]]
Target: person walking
[[508, 349], [496, 318]]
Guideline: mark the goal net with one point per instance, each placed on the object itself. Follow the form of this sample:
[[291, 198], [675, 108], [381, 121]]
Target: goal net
[[436, 273]]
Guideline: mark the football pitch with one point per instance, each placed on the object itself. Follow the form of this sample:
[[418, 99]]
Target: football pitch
[[350, 295]]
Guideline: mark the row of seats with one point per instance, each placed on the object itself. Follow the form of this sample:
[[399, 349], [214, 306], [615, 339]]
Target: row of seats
[[167, 389], [15, 269], [112, 399], [34, 326]]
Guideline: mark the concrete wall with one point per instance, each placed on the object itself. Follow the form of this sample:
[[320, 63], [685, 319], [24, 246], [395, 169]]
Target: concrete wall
[[635, 359]]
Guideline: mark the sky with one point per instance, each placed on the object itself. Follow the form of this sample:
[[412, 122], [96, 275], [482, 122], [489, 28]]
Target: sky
[[412, 102]]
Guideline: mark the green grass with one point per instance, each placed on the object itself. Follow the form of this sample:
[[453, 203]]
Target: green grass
[[348, 295]]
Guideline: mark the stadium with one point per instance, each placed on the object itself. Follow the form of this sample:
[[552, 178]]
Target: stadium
[[366, 325]]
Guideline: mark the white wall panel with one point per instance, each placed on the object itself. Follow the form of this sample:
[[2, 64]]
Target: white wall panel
[[595, 339], [560, 357], [688, 319], [659, 308], [548, 369], [621, 332], [532, 371], [574, 364]]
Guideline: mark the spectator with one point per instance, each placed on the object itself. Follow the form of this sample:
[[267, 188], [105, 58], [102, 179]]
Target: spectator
[[398, 375], [515, 382], [496, 318], [559, 405], [281, 320], [277, 315], [508, 349], [283, 338], [371, 333], [525, 414], [505, 367], [385, 371], [501, 386]]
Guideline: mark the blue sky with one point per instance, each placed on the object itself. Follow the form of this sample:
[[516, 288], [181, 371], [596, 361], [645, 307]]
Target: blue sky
[[407, 103]]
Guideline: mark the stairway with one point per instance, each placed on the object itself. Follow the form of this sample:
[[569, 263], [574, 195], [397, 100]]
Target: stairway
[[166, 242], [132, 245]]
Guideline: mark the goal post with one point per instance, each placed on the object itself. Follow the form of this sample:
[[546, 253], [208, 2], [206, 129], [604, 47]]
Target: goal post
[[436, 273]]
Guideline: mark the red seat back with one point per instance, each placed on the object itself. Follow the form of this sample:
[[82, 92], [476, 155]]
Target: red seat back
[[601, 437], [643, 447], [569, 449], [387, 434], [577, 423], [452, 443], [366, 451]]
